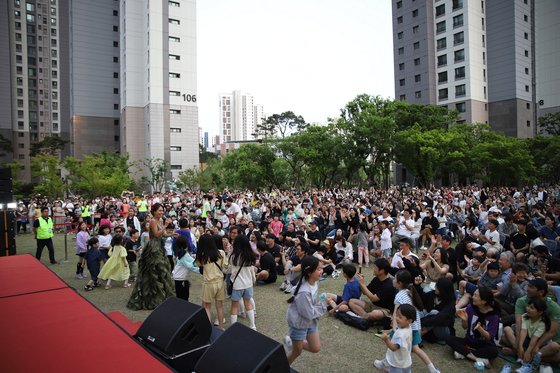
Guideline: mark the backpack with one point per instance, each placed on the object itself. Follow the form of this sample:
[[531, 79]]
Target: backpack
[[356, 322]]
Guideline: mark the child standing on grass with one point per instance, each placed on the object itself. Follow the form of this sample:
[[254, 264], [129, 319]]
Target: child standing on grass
[[306, 306], [81, 249], [93, 259], [386, 243], [407, 294], [185, 263], [116, 268], [399, 346]]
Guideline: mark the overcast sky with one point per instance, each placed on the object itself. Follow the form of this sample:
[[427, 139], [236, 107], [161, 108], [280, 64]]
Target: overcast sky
[[307, 56]]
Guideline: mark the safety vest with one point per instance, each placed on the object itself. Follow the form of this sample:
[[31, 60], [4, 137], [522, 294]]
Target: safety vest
[[142, 206], [45, 230], [85, 212]]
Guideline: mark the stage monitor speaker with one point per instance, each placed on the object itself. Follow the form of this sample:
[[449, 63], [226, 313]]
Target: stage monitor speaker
[[176, 326], [7, 233], [6, 185], [241, 349]]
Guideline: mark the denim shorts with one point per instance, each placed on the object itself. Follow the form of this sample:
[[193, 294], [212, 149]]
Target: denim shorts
[[236, 295], [301, 334]]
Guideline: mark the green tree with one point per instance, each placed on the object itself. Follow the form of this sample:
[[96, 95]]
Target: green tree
[[546, 156], [249, 167], [549, 124], [280, 124], [159, 172], [205, 155], [368, 126], [428, 117], [47, 169], [51, 145], [99, 174]]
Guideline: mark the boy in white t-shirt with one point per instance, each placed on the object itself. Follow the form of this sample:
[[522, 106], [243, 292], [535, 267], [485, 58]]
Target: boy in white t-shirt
[[399, 346], [386, 242]]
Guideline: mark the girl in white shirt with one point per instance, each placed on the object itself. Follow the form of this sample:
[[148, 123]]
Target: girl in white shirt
[[241, 262], [386, 243]]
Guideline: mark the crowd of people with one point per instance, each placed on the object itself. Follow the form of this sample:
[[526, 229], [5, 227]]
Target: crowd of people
[[486, 256]]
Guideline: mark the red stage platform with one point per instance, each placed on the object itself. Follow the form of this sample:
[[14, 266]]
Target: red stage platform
[[47, 327]]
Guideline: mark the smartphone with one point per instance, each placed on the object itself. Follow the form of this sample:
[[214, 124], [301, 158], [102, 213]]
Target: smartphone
[[360, 270]]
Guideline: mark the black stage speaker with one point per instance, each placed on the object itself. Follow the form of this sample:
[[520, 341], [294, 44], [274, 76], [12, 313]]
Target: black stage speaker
[[6, 185], [7, 233], [178, 332], [241, 349]]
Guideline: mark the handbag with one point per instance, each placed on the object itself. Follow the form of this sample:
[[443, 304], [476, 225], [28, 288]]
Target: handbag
[[230, 282]]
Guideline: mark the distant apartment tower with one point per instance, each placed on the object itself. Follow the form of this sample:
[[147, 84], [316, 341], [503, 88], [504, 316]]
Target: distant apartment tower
[[159, 113], [238, 116], [205, 141], [33, 80], [94, 76], [493, 61]]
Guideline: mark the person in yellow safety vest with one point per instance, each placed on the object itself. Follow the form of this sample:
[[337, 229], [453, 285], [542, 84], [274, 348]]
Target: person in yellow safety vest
[[86, 213], [43, 231], [142, 209]]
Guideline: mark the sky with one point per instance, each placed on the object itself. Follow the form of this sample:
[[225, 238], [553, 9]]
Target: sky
[[306, 56]]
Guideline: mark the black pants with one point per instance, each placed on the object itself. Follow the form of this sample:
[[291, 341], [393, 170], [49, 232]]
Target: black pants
[[41, 244], [182, 289], [481, 349]]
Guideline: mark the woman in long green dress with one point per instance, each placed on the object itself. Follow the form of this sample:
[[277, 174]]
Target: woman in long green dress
[[153, 283]]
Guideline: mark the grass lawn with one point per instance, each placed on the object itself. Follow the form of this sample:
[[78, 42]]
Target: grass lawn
[[344, 349]]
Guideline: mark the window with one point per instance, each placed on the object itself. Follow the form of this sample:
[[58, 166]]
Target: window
[[402, 82], [440, 27], [457, 4], [526, 18], [458, 21], [416, 45], [442, 77], [483, 41], [401, 51], [526, 88], [116, 28], [116, 122], [399, 4], [461, 107], [484, 58], [174, 57], [174, 93], [417, 78], [53, 21], [442, 94], [400, 35], [441, 43], [399, 20], [415, 13], [115, 13], [527, 70], [115, 106], [528, 123], [526, 53], [442, 60], [115, 59], [116, 75], [174, 111], [415, 29], [116, 44], [483, 23], [30, 18], [175, 148], [401, 66], [460, 90], [175, 130], [174, 3], [460, 73], [174, 21], [528, 106], [418, 94], [440, 10], [174, 75], [115, 91], [402, 97], [459, 55], [417, 62], [29, 7], [176, 167], [526, 36], [459, 38], [174, 39]]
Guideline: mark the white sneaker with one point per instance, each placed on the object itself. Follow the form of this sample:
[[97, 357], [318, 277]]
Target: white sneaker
[[289, 289], [486, 362], [217, 322], [458, 356], [546, 369], [284, 284], [352, 314], [379, 364], [287, 343]]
